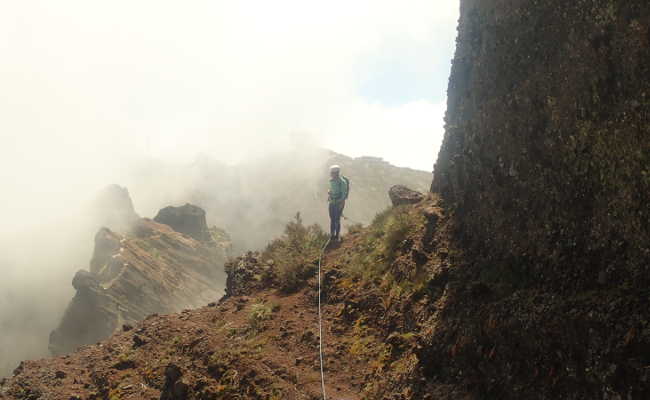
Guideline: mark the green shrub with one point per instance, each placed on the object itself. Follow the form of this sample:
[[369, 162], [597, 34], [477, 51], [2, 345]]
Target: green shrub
[[296, 253], [382, 244], [381, 217], [396, 230], [259, 313]]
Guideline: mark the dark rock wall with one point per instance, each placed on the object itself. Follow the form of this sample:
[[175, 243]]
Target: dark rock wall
[[545, 170], [546, 157], [188, 219]]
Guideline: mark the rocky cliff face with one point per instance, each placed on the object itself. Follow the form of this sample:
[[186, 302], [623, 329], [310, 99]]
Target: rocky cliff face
[[544, 168], [38, 263], [151, 269], [546, 156]]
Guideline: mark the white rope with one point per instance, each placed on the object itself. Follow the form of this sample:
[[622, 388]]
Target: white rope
[[320, 321]]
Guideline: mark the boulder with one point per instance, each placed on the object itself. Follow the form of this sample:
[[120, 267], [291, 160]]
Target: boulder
[[188, 219], [400, 195], [84, 280]]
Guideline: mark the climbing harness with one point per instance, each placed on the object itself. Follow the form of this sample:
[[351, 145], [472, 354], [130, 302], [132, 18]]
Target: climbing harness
[[320, 320]]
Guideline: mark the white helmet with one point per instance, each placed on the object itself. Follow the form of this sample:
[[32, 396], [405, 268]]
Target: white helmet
[[335, 168]]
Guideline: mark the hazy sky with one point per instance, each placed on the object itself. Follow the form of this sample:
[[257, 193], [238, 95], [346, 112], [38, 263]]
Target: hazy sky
[[89, 85]]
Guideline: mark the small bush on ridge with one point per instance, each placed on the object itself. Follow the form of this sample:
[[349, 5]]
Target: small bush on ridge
[[296, 253]]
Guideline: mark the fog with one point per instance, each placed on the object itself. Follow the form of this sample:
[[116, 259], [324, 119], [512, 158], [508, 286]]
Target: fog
[[252, 200], [135, 93]]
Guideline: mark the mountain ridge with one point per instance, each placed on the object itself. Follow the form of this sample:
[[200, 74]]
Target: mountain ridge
[[522, 275], [152, 268]]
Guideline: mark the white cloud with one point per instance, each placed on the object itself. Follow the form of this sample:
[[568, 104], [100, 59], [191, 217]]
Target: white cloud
[[408, 135]]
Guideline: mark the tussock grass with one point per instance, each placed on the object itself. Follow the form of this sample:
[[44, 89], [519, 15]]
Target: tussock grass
[[383, 242], [259, 313]]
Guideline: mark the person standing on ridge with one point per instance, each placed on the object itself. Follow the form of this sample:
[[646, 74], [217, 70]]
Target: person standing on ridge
[[337, 194]]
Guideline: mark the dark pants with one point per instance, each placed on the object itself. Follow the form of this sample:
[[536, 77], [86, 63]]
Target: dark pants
[[336, 211]]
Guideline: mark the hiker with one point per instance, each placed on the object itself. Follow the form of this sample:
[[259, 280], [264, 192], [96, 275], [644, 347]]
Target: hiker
[[337, 194]]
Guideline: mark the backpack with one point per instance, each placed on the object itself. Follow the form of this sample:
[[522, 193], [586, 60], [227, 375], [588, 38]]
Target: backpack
[[347, 186]]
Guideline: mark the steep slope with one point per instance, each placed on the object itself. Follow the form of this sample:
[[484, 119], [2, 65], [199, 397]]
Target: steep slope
[[546, 154], [545, 168], [261, 340], [39, 262], [150, 269]]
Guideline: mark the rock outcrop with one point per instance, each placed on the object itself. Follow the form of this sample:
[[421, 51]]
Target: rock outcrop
[[401, 195], [546, 156], [247, 274], [152, 269], [188, 219], [545, 167]]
